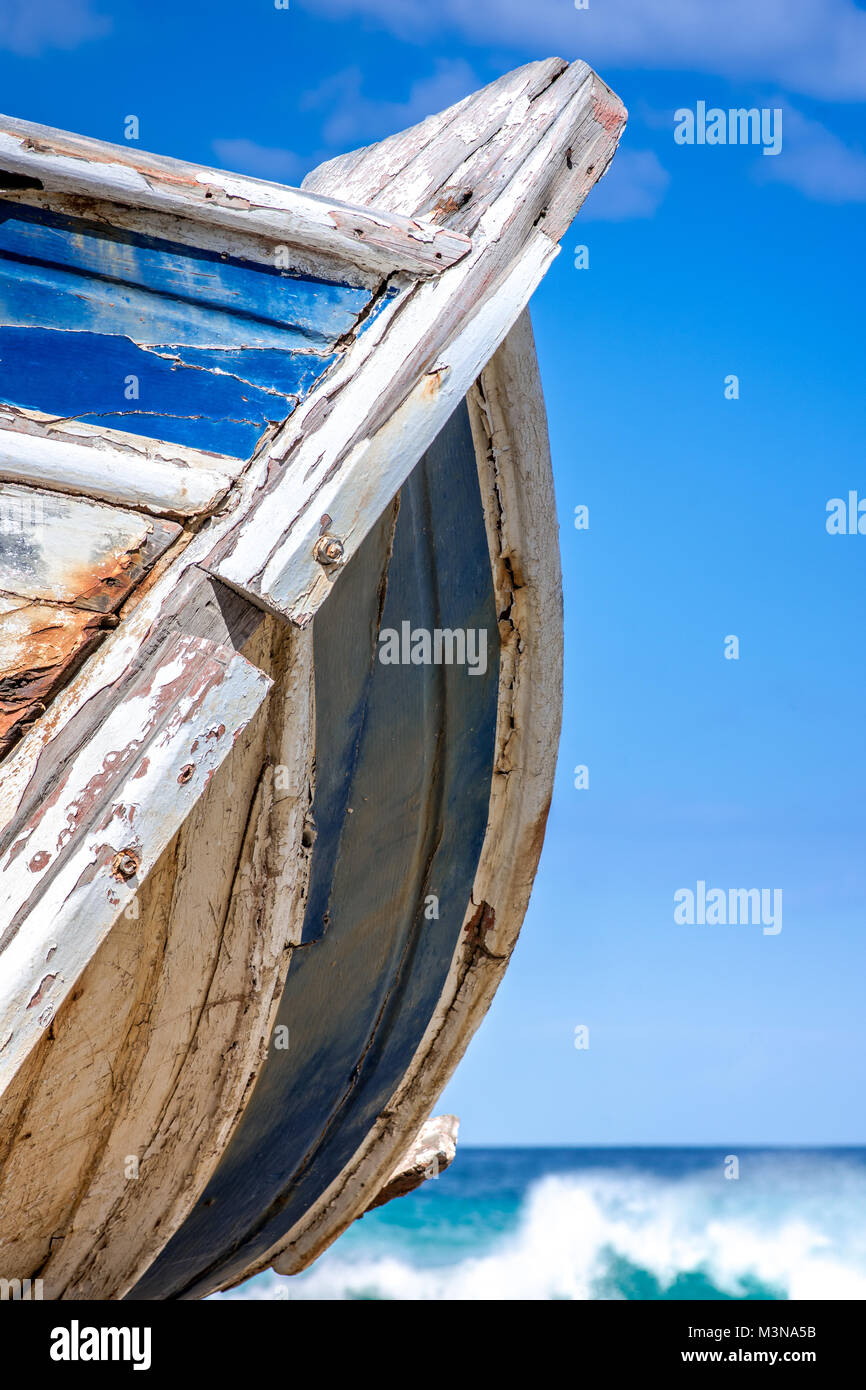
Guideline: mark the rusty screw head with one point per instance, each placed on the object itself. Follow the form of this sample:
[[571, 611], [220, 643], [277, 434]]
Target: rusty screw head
[[186, 773], [328, 550], [125, 864]]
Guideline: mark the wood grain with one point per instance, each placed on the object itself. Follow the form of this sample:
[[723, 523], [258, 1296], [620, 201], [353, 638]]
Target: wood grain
[[85, 851], [116, 1120], [380, 241], [111, 466]]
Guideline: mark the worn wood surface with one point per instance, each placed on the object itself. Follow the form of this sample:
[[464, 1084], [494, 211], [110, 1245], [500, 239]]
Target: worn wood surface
[[524, 738], [381, 242], [411, 165], [246, 245], [549, 136], [526, 581], [85, 460], [62, 561], [325, 408], [116, 1121], [40, 644], [115, 802], [70, 550]]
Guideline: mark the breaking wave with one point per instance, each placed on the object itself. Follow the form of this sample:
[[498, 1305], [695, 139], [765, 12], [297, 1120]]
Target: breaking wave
[[790, 1230]]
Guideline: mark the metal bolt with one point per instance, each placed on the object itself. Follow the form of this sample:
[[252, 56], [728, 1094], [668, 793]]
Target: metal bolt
[[125, 864], [328, 550]]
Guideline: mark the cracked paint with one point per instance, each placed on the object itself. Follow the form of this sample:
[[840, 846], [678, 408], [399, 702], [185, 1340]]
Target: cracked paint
[[65, 564], [40, 646], [145, 335]]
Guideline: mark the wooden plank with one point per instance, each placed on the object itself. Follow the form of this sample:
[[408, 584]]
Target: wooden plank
[[567, 110], [186, 294], [201, 400], [227, 243], [129, 330], [153, 1054], [421, 356], [70, 550], [87, 847], [398, 172], [381, 242], [120, 468]]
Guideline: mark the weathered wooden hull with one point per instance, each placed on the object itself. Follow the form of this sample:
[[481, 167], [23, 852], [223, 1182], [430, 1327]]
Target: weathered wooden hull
[[265, 857]]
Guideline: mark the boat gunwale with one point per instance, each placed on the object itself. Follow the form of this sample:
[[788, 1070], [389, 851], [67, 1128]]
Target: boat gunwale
[[382, 242]]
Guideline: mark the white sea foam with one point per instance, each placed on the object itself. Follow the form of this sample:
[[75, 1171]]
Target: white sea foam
[[795, 1231]]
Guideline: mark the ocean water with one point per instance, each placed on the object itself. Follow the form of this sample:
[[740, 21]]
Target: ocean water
[[509, 1223]]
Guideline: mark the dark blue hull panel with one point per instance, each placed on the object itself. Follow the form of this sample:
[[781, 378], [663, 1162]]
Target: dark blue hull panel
[[404, 766]]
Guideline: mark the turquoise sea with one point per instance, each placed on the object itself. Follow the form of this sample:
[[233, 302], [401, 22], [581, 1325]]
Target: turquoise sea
[[510, 1223]]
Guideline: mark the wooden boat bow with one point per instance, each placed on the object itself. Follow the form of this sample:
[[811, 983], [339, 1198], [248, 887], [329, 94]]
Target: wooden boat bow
[[189, 716]]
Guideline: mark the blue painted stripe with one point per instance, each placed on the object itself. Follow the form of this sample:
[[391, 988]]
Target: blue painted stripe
[[48, 297], [84, 376], [218, 347], [322, 308]]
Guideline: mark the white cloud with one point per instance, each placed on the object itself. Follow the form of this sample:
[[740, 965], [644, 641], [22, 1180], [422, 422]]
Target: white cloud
[[816, 47], [30, 27], [633, 186], [816, 162], [260, 161], [353, 117]]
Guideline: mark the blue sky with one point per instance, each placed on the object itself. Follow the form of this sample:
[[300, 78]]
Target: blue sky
[[707, 516]]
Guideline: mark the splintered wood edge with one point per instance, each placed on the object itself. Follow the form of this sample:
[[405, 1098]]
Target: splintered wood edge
[[433, 1149], [377, 240], [509, 427]]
